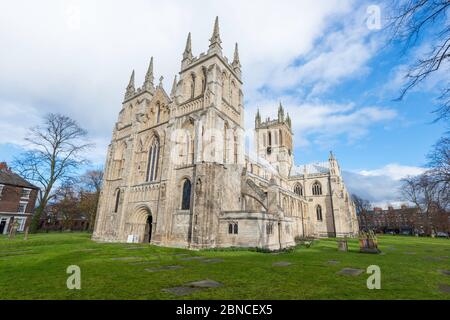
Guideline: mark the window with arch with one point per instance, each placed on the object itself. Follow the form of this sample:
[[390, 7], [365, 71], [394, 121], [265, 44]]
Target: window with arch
[[225, 142], [319, 212], [298, 189], [204, 79], [270, 138], [186, 195], [158, 112], [281, 137], [316, 189], [235, 149], [116, 205], [269, 228], [233, 228], [153, 156], [192, 85]]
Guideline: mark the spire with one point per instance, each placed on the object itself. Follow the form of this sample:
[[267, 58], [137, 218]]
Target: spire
[[257, 119], [288, 120], [130, 88], [215, 42], [187, 54], [148, 83], [236, 62], [280, 113], [331, 157], [173, 92]]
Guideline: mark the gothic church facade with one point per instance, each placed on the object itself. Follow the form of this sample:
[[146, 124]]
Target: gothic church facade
[[177, 174]]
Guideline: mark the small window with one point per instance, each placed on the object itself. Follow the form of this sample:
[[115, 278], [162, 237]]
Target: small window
[[186, 195], [269, 228], [22, 207], [1, 189], [233, 228], [319, 213], [116, 206], [25, 193]]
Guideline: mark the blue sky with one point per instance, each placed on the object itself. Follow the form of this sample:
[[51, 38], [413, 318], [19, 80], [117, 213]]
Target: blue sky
[[334, 75]]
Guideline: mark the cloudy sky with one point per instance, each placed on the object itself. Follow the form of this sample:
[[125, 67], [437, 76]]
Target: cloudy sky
[[324, 59]]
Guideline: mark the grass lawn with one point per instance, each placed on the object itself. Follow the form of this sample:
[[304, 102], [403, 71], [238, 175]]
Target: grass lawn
[[36, 269]]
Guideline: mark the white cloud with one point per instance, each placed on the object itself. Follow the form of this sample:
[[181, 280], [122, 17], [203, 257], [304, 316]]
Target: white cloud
[[393, 170], [380, 186], [323, 123]]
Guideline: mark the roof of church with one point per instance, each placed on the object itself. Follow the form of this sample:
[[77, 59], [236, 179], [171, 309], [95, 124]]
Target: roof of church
[[311, 168], [253, 157]]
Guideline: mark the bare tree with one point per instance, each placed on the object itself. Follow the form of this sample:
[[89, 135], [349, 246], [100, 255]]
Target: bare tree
[[362, 207], [66, 205], [90, 193], [409, 21], [56, 152], [430, 198]]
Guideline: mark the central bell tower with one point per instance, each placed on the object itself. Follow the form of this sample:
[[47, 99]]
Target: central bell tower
[[273, 141]]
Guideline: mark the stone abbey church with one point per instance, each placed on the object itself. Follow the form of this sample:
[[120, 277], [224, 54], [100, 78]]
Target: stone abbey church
[[177, 173]]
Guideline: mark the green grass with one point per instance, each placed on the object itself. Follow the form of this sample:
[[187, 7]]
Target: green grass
[[40, 272]]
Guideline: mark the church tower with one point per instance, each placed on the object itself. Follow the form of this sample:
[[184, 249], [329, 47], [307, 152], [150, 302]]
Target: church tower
[[273, 140], [210, 87]]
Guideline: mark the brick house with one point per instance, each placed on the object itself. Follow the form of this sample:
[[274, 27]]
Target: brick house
[[405, 220], [17, 200]]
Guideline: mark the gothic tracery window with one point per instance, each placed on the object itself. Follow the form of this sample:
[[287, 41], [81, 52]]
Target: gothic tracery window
[[319, 213], [186, 195], [298, 189], [153, 156], [316, 189]]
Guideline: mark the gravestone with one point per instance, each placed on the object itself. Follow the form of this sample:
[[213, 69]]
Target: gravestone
[[351, 272], [333, 262], [444, 288], [180, 291], [163, 268], [205, 284], [214, 260], [25, 237], [192, 258], [342, 245], [281, 264], [446, 272], [368, 242]]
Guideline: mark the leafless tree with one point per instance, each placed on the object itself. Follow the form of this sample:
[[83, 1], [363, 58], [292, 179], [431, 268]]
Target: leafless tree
[[362, 207], [430, 199], [56, 152], [411, 20], [90, 193], [66, 205]]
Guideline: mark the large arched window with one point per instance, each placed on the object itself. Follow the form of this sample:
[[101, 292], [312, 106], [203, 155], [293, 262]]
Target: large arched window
[[153, 156], [316, 189], [186, 196], [116, 205], [319, 213], [298, 189], [270, 138]]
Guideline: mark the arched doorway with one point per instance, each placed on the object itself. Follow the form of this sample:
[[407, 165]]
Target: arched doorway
[[148, 229], [140, 224]]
